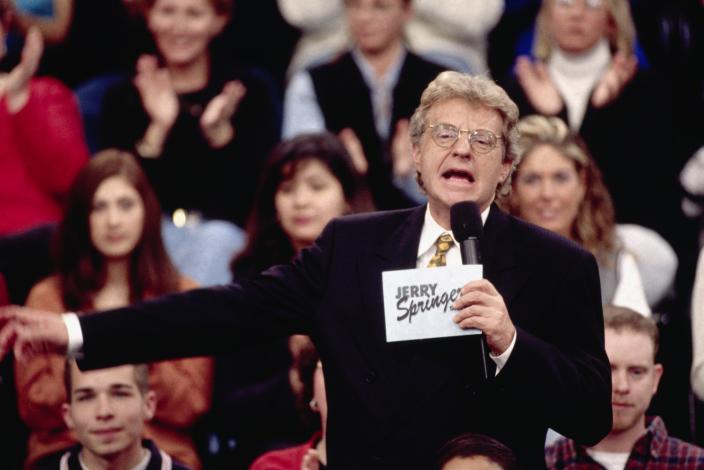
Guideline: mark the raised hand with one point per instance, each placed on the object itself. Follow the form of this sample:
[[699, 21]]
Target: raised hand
[[354, 148], [215, 121], [15, 86], [28, 332], [157, 92], [401, 151], [538, 86], [311, 461], [621, 70], [481, 306]]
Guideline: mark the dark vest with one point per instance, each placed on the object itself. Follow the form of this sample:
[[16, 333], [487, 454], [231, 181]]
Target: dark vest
[[345, 101]]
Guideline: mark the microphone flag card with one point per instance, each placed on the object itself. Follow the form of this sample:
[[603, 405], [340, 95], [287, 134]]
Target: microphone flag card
[[418, 302]]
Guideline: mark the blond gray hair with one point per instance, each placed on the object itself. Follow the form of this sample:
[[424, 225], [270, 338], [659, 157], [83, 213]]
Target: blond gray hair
[[477, 90], [622, 36]]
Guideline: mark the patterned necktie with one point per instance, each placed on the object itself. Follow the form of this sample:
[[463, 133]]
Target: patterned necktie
[[442, 245]]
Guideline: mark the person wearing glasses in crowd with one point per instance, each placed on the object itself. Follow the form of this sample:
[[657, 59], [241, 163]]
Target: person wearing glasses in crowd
[[394, 404]]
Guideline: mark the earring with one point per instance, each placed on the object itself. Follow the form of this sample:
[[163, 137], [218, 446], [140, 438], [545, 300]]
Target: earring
[[313, 405]]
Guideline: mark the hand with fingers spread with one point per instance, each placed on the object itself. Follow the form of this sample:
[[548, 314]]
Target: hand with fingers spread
[[481, 306], [216, 119], [355, 149], [15, 85], [539, 88], [621, 70], [401, 150], [160, 103], [28, 332]]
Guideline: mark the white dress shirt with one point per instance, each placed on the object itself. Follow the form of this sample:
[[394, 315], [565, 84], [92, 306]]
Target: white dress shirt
[[426, 249]]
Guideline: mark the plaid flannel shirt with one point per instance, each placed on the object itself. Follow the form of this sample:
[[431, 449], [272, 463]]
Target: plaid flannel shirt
[[655, 450]]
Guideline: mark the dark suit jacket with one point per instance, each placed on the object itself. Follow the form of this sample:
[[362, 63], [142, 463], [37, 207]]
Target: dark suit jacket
[[392, 404]]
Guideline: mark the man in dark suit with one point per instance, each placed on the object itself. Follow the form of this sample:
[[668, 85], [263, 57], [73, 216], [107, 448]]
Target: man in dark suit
[[392, 405]]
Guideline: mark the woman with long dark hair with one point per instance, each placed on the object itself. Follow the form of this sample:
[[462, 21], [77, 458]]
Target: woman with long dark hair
[[308, 181], [110, 253]]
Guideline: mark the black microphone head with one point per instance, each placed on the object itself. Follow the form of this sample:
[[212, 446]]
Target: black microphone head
[[465, 220]]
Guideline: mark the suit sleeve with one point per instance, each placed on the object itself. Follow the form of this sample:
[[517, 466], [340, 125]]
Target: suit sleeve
[[565, 375], [280, 301]]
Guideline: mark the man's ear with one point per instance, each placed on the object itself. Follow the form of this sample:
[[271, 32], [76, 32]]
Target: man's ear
[[66, 413], [149, 405], [415, 151], [657, 370]]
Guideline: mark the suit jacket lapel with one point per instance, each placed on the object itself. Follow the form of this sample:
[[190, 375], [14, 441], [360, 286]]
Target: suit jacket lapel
[[500, 255]]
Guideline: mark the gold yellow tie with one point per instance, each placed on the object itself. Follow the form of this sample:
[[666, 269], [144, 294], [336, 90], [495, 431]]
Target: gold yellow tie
[[442, 245]]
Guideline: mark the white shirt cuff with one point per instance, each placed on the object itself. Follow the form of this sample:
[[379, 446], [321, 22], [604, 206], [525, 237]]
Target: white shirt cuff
[[75, 335], [501, 359]]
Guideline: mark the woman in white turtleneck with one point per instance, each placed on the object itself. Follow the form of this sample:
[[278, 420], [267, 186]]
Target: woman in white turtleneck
[[584, 71], [573, 45]]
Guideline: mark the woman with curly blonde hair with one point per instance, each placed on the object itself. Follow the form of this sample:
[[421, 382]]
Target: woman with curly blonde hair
[[558, 186]]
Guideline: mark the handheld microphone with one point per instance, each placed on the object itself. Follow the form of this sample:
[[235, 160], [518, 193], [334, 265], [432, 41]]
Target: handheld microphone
[[466, 224], [467, 227]]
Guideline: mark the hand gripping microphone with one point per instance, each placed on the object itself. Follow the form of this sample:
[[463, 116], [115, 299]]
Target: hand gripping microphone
[[466, 224]]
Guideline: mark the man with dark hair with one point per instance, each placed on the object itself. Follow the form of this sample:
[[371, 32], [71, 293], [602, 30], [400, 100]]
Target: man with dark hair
[[635, 440], [476, 452], [106, 410]]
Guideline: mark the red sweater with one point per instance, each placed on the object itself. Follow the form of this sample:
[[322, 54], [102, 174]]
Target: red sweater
[[42, 147]]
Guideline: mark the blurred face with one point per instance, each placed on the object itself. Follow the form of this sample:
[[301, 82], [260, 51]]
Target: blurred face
[[376, 25], [458, 173], [478, 462], [107, 413], [577, 25], [307, 201], [117, 218], [548, 190], [183, 29], [634, 377]]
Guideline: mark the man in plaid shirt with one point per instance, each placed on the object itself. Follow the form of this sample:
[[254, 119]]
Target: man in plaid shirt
[[635, 441]]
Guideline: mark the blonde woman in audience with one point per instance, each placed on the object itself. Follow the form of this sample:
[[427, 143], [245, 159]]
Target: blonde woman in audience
[[109, 254], [558, 186], [584, 70]]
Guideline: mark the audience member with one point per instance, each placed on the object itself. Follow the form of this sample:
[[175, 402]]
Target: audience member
[[110, 254], [308, 181], [308, 372], [558, 186], [40, 136], [585, 71], [476, 452], [449, 32], [201, 125], [367, 95], [698, 329], [107, 410], [635, 440]]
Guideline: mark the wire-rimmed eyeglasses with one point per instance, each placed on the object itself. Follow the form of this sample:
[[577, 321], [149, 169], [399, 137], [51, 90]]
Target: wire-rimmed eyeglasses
[[480, 140]]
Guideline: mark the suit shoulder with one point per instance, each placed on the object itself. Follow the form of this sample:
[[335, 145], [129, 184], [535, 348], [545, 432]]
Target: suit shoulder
[[539, 241], [377, 220]]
